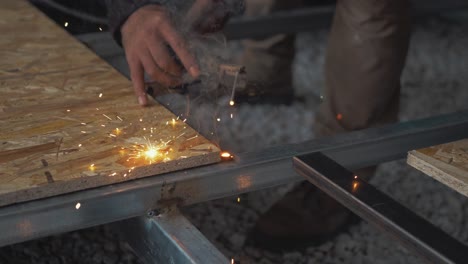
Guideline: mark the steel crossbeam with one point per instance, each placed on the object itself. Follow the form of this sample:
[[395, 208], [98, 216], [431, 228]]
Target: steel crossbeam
[[248, 172], [169, 238], [413, 231]]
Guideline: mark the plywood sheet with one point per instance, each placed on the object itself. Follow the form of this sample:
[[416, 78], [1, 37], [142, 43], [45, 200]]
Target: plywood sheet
[[447, 163], [32, 44], [69, 121]]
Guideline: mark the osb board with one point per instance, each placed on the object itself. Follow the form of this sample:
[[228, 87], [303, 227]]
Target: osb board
[[447, 163], [69, 121], [32, 44]]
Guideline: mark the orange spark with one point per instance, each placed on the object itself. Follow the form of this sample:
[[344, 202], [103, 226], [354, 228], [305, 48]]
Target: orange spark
[[226, 155]]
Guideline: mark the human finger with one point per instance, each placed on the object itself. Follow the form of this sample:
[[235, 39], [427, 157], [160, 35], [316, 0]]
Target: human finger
[[155, 72], [179, 45], [137, 76], [164, 60]]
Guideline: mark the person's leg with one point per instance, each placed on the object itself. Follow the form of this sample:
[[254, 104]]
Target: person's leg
[[365, 57], [268, 61]]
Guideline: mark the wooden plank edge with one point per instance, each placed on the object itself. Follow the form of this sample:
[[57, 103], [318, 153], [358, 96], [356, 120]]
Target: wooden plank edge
[[82, 183], [432, 168]]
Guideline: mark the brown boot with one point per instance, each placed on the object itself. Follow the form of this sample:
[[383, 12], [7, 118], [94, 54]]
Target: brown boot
[[268, 61], [268, 66], [304, 217]]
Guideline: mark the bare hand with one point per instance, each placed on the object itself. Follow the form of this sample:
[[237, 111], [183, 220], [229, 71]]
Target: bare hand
[[145, 36]]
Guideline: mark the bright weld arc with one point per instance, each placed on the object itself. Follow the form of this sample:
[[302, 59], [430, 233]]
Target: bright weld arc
[[149, 152], [226, 155]]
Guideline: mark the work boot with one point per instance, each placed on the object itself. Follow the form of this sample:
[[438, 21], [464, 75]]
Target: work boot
[[268, 64], [268, 61], [304, 217]]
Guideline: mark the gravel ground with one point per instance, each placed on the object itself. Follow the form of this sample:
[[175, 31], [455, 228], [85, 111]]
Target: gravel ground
[[434, 82]]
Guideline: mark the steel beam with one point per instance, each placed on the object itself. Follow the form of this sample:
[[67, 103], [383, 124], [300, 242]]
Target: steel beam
[[281, 22], [314, 18], [248, 172], [413, 231], [169, 238]]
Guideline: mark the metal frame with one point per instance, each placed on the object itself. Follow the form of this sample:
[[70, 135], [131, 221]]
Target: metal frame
[[413, 231], [248, 172], [169, 238]]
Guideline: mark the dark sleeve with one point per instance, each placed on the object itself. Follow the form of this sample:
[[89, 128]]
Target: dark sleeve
[[119, 10]]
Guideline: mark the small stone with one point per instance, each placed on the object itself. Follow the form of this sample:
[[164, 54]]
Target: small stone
[[253, 252], [237, 241], [110, 247]]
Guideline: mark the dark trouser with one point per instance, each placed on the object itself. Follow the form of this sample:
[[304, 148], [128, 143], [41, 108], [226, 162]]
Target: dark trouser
[[366, 53]]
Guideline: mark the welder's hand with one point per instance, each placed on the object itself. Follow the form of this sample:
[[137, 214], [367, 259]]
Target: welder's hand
[[207, 16], [145, 36]]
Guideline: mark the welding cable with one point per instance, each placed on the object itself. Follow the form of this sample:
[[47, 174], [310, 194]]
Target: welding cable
[[72, 12]]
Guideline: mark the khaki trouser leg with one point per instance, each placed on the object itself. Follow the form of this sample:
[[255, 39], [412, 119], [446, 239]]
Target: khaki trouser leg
[[268, 61], [366, 52]]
